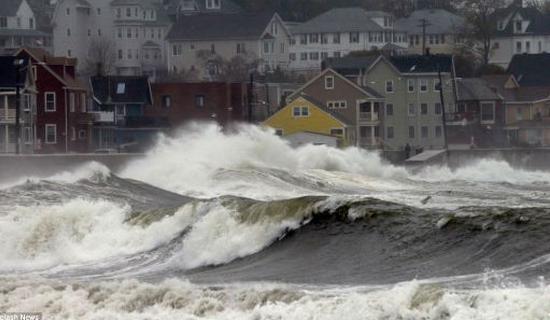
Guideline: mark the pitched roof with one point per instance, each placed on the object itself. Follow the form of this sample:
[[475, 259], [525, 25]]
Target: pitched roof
[[422, 63], [539, 22], [220, 26], [121, 89], [227, 6], [519, 94], [529, 69], [353, 19], [350, 65], [440, 21], [9, 8], [475, 89], [8, 72]]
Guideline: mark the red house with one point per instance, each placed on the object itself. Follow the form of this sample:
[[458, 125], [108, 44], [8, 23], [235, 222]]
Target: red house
[[63, 124], [190, 101]]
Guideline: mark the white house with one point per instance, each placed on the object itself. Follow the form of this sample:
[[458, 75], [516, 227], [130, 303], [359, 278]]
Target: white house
[[18, 27], [520, 30], [340, 31]]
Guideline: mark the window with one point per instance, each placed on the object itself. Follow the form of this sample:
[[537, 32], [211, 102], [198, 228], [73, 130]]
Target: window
[[337, 132], [68, 11], [98, 11], [487, 112], [19, 22], [411, 132], [336, 38], [324, 38], [337, 54], [423, 85], [296, 111], [120, 54], [82, 134], [437, 85], [176, 50], [329, 82], [324, 55], [129, 53], [424, 108], [72, 102], [303, 39], [120, 88], [303, 56], [83, 103], [519, 26], [424, 132], [69, 53], [166, 101], [518, 47], [118, 13], [121, 110], [389, 133], [279, 132], [73, 133], [337, 104], [354, 37], [241, 48], [199, 101], [68, 32], [389, 86], [27, 102], [438, 108], [51, 134], [305, 111], [27, 135], [213, 48], [412, 110], [99, 32], [213, 4], [519, 114], [128, 12], [438, 132], [314, 56], [292, 56], [389, 109], [528, 46], [3, 22], [410, 85], [34, 72], [300, 112], [49, 102], [314, 38]]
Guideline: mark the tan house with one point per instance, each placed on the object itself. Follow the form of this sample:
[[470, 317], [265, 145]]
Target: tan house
[[527, 112], [360, 107]]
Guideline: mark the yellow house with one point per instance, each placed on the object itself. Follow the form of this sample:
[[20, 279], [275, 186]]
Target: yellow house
[[305, 115]]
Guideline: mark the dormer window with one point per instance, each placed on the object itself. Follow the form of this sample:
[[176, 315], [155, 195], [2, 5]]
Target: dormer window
[[500, 25], [519, 26], [213, 4]]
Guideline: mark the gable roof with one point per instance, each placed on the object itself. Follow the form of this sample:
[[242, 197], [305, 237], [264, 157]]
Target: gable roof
[[539, 22], [338, 117], [220, 26], [422, 63], [530, 69], [350, 65], [135, 89], [365, 90], [475, 89], [353, 19], [227, 6], [9, 8], [440, 21]]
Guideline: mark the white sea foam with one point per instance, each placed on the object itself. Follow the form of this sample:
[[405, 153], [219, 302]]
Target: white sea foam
[[78, 231], [176, 299]]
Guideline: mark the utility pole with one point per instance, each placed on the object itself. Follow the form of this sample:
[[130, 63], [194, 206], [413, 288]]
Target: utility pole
[[443, 117], [17, 63], [250, 97], [424, 24]]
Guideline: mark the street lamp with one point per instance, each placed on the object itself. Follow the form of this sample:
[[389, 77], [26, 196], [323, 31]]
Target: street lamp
[[18, 63]]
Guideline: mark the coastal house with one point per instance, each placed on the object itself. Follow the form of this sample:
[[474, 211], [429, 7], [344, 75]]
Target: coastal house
[[204, 42], [436, 29], [520, 29], [340, 31], [528, 69], [178, 9], [18, 27], [119, 109], [307, 121], [62, 120], [527, 111], [8, 104], [360, 105], [182, 102], [479, 118], [413, 104]]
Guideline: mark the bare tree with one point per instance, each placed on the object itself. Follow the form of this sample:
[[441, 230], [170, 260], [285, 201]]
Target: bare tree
[[101, 57], [481, 25], [541, 5], [236, 69]]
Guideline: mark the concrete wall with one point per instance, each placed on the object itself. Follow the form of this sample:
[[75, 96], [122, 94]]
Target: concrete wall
[[42, 166]]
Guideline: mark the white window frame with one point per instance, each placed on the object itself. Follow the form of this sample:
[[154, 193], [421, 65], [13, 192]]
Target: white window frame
[[27, 135], [337, 104], [327, 86], [409, 81], [409, 110], [423, 83], [46, 94], [54, 126], [386, 109], [481, 112], [427, 109]]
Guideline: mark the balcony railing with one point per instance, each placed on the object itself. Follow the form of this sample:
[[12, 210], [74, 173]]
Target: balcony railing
[[7, 115], [103, 116], [368, 116]]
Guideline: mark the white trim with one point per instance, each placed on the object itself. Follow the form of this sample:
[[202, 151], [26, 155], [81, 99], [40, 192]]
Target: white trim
[[46, 133], [331, 78], [46, 101], [386, 86], [481, 112], [420, 81], [409, 86]]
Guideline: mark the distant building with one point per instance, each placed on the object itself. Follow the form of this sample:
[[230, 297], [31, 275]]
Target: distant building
[[180, 8], [528, 69], [360, 107], [527, 111], [8, 85], [18, 27], [340, 31], [479, 118], [413, 107], [441, 33], [201, 42], [120, 105], [307, 121], [62, 121], [181, 102], [520, 30]]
